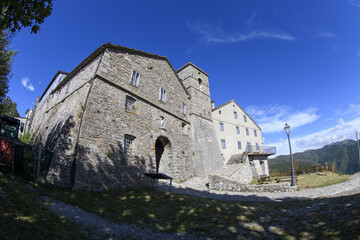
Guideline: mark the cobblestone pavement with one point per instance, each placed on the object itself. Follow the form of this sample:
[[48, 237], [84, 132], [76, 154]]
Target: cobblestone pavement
[[197, 187]]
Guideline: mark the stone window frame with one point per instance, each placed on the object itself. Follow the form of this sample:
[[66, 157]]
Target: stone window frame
[[245, 119], [162, 94], [223, 144], [135, 78], [130, 103], [183, 108], [184, 153], [239, 145], [184, 128], [247, 132], [162, 122], [200, 84], [235, 115], [129, 144], [237, 130], [221, 126]]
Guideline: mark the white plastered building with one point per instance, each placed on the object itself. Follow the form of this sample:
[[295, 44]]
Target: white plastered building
[[239, 137]]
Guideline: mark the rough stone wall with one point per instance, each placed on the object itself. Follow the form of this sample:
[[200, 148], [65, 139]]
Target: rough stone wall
[[239, 172], [206, 152], [117, 67], [100, 160], [223, 184], [56, 123]]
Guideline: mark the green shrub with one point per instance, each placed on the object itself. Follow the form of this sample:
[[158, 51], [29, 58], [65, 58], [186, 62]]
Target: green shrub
[[25, 138]]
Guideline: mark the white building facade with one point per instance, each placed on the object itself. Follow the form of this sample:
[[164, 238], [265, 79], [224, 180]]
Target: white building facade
[[239, 135]]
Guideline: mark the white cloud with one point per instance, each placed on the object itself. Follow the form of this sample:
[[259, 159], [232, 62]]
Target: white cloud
[[26, 83], [355, 3], [327, 35], [211, 34], [352, 109], [341, 131], [272, 118]]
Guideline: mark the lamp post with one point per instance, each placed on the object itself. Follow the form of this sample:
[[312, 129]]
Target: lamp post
[[287, 130]]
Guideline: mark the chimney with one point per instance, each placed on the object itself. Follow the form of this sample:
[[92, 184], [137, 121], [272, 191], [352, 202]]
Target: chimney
[[212, 104]]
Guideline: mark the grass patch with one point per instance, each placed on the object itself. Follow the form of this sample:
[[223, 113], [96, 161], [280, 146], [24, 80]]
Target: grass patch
[[162, 211], [319, 180], [23, 217]]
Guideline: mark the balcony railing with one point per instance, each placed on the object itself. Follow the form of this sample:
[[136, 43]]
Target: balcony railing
[[250, 149]]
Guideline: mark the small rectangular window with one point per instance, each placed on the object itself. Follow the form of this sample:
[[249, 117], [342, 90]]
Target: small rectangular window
[[247, 132], [239, 145], [255, 133], [248, 147], [223, 144], [128, 144], [235, 115], [129, 104], [245, 119], [184, 153], [257, 146], [183, 108], [185, 128], [162, 95], [237, 130], [221, 126], [135, 78], [200, 85]]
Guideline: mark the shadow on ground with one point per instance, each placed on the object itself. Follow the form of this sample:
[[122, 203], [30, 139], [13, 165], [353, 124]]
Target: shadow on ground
[[334, 218]]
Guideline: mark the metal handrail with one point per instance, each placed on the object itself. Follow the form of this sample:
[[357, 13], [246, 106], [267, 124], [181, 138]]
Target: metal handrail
[[260, 149]]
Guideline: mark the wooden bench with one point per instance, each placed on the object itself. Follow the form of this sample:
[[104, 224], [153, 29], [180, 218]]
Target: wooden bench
[[154, 176], [264, 179]]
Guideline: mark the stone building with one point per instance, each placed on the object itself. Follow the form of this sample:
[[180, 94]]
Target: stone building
[[122, 112]]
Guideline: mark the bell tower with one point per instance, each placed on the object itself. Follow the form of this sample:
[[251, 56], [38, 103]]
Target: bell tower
[[196, 82], [206, 151]]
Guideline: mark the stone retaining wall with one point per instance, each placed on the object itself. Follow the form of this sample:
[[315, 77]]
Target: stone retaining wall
[[223, 184]]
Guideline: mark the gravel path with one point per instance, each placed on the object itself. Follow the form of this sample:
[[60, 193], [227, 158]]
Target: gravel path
[[101, 228]]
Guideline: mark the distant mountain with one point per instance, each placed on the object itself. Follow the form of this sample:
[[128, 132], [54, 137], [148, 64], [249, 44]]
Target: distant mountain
[[343, 154]]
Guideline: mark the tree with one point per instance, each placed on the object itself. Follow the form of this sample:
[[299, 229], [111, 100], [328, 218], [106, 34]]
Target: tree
[[16, 14], [6, 58], [9, 107]]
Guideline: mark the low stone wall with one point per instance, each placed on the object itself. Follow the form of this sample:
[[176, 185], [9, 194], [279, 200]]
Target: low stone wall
[[223, 184]]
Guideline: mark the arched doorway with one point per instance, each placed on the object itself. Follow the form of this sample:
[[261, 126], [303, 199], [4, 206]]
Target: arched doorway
[[162, 154]]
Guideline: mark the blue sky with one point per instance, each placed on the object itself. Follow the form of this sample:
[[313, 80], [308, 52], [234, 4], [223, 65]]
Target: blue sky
[[282, 61]]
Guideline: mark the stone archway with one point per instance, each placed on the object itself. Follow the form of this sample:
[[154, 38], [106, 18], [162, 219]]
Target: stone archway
[[162, 154]]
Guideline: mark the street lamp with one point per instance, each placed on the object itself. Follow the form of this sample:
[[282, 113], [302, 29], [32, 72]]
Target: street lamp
[[287, 130]]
